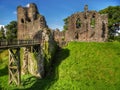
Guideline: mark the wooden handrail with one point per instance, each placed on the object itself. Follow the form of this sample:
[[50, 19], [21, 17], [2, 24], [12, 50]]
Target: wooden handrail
[[7, 43]]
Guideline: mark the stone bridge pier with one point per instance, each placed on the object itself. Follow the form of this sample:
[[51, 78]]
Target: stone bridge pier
[[33, 61]]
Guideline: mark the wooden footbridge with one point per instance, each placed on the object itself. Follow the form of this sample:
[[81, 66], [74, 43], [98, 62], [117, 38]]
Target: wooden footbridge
[[13, 47]]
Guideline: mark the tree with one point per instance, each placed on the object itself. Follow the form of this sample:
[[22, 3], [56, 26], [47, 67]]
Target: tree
[[11, 30], [65, 27], [113, 18], [2, 33], [113, 14]]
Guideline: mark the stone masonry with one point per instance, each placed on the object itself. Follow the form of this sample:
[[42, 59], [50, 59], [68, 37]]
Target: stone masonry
[[32, 26], [59, 36], [82, 26], [29, 22], [87, 26]]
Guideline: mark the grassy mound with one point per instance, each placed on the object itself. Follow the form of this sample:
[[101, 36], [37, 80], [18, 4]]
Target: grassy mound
[[93, 66], [78, 66]]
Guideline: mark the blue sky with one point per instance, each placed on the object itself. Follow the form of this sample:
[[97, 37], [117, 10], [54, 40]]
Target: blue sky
[[53, 10]]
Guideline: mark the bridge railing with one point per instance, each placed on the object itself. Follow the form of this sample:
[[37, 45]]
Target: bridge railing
[[18, 42]]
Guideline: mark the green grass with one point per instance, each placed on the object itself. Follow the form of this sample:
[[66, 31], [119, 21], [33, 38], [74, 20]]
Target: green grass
[[90, 66], [78, 66], [3, 69]]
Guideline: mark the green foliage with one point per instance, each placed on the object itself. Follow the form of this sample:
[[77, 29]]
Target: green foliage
[[78, 66], [47, 56], [11, 32], [3, 69], [65, 27], [49, 52], [113, 17], [115, 38], [113, 14], [2, 33]]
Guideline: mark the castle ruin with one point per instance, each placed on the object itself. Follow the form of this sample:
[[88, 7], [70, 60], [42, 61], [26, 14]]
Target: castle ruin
[[82, 26], [86, 26]]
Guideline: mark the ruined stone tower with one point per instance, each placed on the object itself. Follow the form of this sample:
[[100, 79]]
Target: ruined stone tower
[[87, 26], [29, 22], [32, 26]]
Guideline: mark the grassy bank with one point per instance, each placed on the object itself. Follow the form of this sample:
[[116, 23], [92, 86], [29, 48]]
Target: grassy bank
[[78, 66]]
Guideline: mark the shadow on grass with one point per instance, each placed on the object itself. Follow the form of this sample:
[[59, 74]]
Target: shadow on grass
[[4, 71], [1, 50], [51, 77]]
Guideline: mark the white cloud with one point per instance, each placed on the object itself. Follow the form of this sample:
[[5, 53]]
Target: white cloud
[[14, 12], [2, 26], [54, 26], [28, 5]]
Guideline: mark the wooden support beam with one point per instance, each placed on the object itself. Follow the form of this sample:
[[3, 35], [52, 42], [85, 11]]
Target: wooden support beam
[[14, 66], [25, 61]]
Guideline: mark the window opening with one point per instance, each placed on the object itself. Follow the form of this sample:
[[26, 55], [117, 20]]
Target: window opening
[[78, 23]]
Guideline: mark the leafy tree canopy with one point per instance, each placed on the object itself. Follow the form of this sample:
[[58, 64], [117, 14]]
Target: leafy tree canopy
[[113, 14], [113, 17], [65, 27], [2, 33], [11, 30]]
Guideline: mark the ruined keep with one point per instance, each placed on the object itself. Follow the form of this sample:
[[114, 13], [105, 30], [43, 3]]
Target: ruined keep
[[87, 26], [32, 26], [29, 22]]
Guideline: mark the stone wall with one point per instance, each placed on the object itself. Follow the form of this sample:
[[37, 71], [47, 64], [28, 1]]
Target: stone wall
[[87, 26], [29, 22], [59, 37], [31, 25]]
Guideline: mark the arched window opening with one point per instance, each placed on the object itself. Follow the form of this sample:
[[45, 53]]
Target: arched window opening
[[78, 23], [85, 16], [103, 30], [29, 20], [22, 20], [92, 22], [76, 35]]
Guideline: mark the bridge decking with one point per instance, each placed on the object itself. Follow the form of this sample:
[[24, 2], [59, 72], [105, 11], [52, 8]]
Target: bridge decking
[[5, 44]]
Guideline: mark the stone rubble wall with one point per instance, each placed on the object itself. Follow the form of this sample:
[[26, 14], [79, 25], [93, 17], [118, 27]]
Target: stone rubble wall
[[86, 29], [29, 22]]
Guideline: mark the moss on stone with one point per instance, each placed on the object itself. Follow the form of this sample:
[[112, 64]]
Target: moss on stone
[[49, 51]]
